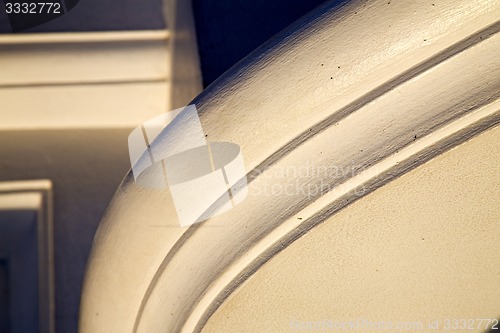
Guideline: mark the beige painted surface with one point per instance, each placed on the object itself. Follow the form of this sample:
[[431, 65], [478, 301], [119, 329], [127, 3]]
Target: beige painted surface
[[421, 248]]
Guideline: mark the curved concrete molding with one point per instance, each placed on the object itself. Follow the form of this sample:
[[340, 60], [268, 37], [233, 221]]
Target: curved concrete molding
[[371, 90], [417, 250]]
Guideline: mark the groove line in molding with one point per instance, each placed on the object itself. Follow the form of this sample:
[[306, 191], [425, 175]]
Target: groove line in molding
[[378, 175], [446, 54], [376, 93]]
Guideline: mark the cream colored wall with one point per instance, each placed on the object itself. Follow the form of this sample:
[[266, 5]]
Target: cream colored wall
[[421, 248]]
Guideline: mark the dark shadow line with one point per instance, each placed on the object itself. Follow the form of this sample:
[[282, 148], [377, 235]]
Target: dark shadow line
[[84, 83]]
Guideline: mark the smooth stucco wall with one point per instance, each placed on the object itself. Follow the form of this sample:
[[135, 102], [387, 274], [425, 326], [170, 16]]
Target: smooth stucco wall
[[421, 248]]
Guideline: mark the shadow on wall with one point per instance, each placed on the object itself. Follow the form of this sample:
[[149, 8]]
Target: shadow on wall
[[229, 30], [91, 15]]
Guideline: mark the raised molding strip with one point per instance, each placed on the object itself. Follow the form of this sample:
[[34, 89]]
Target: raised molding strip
[[367, 181], [375, 88], [82, 58], [93, 106]]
